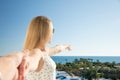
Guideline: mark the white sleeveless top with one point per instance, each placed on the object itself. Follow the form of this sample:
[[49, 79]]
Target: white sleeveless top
[[48, 71]]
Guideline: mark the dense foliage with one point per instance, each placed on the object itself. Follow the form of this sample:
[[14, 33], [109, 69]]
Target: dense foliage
[[88, 69]]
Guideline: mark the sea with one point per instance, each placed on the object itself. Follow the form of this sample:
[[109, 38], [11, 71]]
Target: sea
[[64, 59]]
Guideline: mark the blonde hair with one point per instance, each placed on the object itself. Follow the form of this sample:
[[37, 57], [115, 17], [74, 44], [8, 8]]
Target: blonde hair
[[38, 32]]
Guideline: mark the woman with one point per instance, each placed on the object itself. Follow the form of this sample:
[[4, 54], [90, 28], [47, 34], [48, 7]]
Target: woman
[[38, 36]]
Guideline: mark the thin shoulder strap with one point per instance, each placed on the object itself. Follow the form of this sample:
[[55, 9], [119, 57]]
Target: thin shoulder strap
[[41, 62], [42, 55]]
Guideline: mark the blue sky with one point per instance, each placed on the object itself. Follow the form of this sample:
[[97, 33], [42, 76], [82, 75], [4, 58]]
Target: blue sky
[[92, 27]]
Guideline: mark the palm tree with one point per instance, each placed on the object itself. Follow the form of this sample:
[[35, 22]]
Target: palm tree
[[76, 61]]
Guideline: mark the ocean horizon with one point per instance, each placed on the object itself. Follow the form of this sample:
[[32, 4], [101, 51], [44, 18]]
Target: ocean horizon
[[64, 59]]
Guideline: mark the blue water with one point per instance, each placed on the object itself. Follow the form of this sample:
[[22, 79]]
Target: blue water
[[64, 59]]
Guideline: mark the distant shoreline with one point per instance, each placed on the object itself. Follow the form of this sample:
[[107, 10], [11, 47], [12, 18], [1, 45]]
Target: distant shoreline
[[64, 59]]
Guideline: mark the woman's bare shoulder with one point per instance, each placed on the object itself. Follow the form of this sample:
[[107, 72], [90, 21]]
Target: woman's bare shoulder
[[35, 51]]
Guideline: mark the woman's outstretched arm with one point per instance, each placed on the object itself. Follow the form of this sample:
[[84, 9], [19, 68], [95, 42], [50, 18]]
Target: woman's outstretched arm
[[9, 64], [59, 48]]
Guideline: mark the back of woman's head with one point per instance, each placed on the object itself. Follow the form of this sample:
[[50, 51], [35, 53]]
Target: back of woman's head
[[38, 32]]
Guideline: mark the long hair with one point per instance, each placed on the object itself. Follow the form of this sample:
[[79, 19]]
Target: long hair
[[38, 32]]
